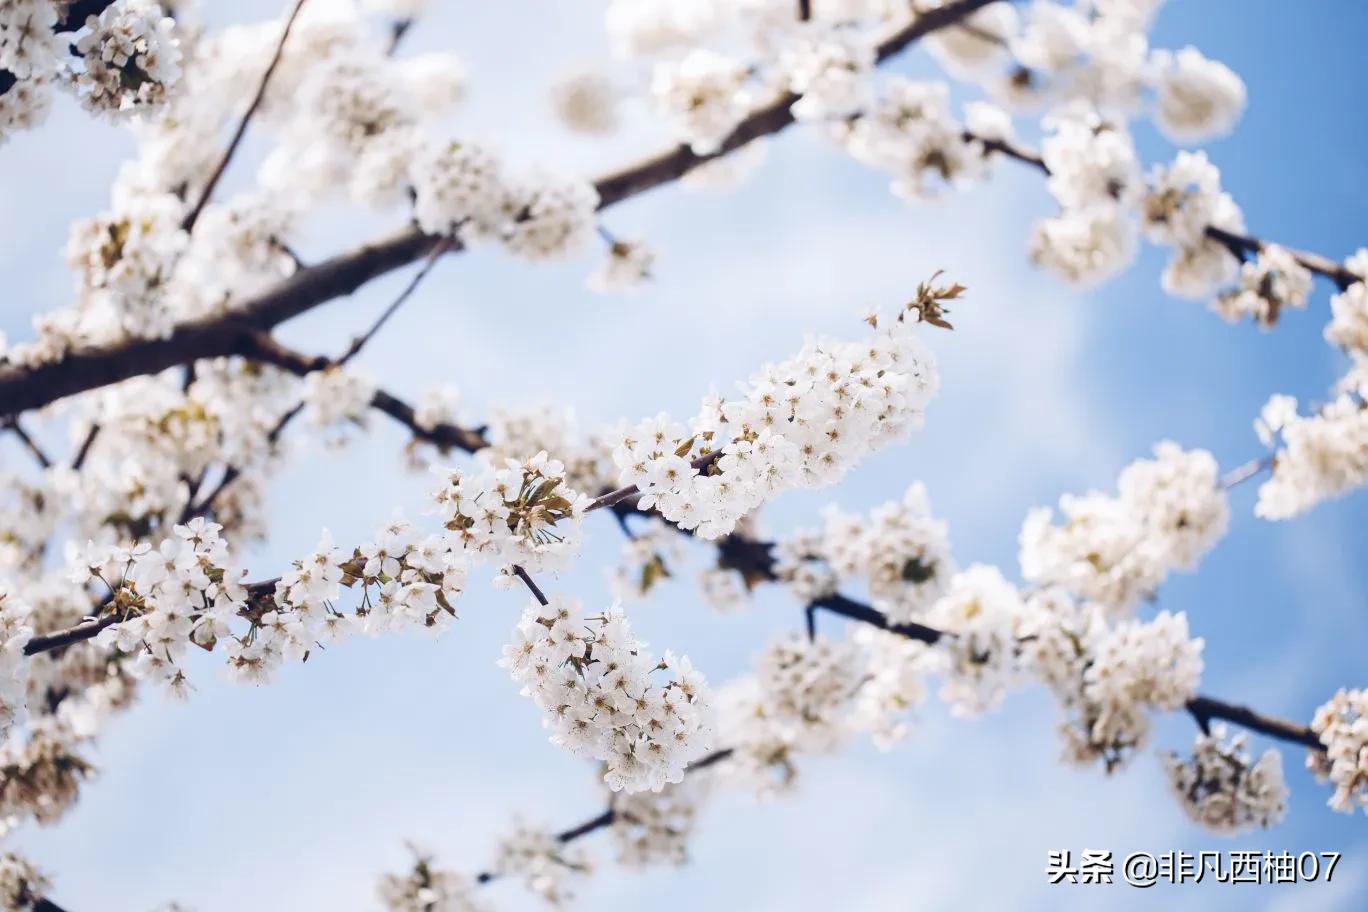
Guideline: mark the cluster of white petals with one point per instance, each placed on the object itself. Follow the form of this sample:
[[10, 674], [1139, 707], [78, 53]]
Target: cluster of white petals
[[1170, 510], [1319, 456], [593, 679], [1198, 99], [426, 888], [1273, 282], [1108, 679], [335, 397], [546, 865], [704, 96], [516, 513], [131, 58], [830, 67], [910, 132], [628, 264], [124, 62], [1342, 726], [587, 102], [15, 633], [655, 827], [1181, 203], [1348, 327], [985, 617], [1223, 789], [799, 423], [21, 884], [1095, 178], [902, 552]]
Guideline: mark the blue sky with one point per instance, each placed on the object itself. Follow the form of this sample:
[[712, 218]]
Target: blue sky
[[297, 795]]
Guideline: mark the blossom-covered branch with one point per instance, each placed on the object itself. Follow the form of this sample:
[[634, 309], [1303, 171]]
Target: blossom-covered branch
[[24, 387]]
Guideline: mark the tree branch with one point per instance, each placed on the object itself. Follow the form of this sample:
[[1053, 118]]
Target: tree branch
[[24, 388], [193, 215], [1239, 245]]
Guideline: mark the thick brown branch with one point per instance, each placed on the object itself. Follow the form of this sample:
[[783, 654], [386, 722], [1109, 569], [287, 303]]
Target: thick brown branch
[[89, 368]]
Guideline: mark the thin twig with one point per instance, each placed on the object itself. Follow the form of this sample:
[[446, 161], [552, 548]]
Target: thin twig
[[1242, 473], [360, 341], [532, 587], [188, 223], [398, 30], [29, 443], [84, 449]]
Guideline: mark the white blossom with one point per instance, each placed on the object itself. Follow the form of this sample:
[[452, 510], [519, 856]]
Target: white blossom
[[545, 865], [1169, 511], [1341, 724], [131, 56], [984, 615], [704, 96], [15, 633], [587, 102], [830, 68], [1222, 789], [593, 680], [800, 423], [427, 888], [1320, 457], [1272, 283], [1198, 99], [628, 264]]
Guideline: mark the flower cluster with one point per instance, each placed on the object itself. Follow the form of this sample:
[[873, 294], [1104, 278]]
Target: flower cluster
[[522, 513], [902, 551], [124, 61], [1169, 511], [1342, 726], [1348, 327], [629, 263], [985, 617], [335, 397], [809, 695], [704, 96], [800, 423], [185, 591], [1106, 679], [21, 884], [655, 827], [1182, 202], [592, 678], [1222, 789], [15, 633], [1095, 177], [910, 133], [462, 189], [1319, 456], [1198, 99], [830, 67], [1272, 283], [131, 58], [546, 865], [426, 888]]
